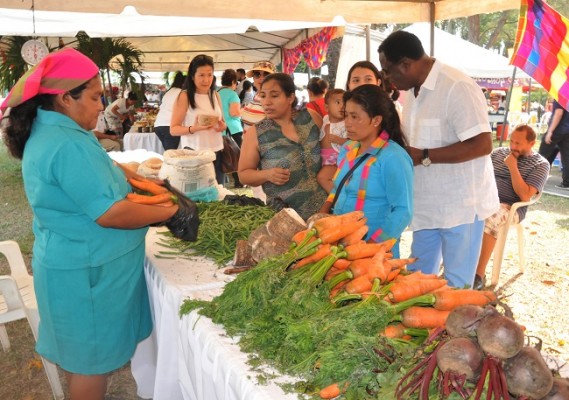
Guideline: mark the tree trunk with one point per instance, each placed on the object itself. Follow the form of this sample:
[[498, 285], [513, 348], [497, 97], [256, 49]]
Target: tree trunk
[[473, 23], [497, 30]]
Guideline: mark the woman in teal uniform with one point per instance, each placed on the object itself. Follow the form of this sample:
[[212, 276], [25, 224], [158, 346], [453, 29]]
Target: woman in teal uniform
[[89, 241]]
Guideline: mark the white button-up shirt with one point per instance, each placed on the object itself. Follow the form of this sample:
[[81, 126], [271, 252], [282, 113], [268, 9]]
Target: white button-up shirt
[[449, 108]]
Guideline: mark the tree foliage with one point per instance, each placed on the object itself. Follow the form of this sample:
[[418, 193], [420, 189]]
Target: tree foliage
[[12, 65]]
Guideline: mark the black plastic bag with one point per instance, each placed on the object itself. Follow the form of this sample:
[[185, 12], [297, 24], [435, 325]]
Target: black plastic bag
[[186, 222], [277, 204], [242, 200]]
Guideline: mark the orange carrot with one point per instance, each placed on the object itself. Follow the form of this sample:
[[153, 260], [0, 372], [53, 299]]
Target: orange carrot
[[337, 220], [401, 290], [450, 299], [394, 331], [323, 251], [365, 250], [360, 267], [341, 263], [441, 289], [393, 274], [329, 392], [415, 275], [334, 291], [355, 237], [156, 199], [332, 235], [360, 284], [147, 185], [401, 262], [377, 268], [424, 317], [299, 236], [332, 272]]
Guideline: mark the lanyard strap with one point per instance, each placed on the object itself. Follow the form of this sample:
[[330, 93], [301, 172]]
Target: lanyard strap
[[346, 177]]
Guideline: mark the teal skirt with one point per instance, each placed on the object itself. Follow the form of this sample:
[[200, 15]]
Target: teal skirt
[[91, 319]]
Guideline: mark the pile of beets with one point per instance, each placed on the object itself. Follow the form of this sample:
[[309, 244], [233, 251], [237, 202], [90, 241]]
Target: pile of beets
[[482, 351]]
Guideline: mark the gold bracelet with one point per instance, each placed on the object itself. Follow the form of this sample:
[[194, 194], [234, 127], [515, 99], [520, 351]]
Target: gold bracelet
[[190, 129]]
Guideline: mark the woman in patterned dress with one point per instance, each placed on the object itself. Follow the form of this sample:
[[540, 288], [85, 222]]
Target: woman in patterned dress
[[282, 152]]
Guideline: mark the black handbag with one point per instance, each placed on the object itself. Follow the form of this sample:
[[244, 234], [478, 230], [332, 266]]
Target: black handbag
[[229, 154]]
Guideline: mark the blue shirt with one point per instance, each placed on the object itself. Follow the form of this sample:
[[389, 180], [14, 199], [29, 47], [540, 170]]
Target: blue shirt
[[388, 201], [70, 181], [228, 97]]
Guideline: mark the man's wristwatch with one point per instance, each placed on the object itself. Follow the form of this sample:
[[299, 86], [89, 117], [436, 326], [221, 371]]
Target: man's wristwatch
[[426, 161]]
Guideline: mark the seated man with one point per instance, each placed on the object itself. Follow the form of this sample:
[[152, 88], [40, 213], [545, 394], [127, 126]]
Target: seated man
[[520, 173], [109, 141]]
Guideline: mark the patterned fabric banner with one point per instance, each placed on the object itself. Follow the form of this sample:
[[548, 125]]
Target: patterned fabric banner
[[542, 48], [313, 49]]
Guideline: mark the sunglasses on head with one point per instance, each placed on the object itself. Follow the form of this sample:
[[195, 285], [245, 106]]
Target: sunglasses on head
[[258, 74]]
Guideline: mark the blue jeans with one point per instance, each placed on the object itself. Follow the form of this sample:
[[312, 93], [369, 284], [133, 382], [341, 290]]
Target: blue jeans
[[458, 247]]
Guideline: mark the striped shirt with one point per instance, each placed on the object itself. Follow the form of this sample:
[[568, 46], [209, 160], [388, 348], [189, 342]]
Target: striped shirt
[[534, 170]]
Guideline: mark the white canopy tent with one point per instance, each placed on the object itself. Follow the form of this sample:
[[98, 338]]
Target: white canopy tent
[[236, 35], [324, 11]]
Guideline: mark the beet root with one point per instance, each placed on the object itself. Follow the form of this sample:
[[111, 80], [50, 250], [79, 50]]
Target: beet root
[[464, 320], [500, 336], [559, 391], [461, 356], [527, 374]]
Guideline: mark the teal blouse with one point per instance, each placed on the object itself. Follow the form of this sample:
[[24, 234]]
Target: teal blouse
[[70, 181]]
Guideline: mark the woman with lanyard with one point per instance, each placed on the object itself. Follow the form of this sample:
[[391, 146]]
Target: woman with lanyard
[[89, 247], [375, 173]]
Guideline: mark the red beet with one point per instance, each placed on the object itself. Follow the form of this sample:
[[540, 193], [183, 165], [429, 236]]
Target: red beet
[[527, 374], [464, 320], [559, 391], [500, 336], [461, 356]]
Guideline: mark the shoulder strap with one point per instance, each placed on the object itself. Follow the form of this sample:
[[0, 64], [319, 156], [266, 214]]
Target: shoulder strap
[[347, 176]]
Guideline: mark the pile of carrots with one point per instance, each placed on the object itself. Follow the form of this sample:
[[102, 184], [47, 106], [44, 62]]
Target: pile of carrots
[[150, 193], [354, 270]]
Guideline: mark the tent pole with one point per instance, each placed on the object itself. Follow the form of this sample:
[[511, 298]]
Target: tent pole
[[368, 43], [432, 26], [508, 98]]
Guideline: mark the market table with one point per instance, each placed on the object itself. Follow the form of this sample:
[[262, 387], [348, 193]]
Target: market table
[[142, 140], [190, 358]]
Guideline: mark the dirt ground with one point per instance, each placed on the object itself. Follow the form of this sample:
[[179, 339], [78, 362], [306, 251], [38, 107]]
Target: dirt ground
[[538, 299]]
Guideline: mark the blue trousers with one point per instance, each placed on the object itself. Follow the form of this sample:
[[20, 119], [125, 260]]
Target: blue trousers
[[457, 247]]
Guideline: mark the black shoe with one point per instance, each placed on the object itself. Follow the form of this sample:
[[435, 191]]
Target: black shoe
[[562, 186], [479, 282]]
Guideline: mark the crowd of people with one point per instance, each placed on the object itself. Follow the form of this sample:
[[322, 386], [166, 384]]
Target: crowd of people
[[428, 167]]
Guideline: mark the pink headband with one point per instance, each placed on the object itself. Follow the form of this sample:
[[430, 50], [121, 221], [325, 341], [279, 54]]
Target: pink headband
[[58, 72]]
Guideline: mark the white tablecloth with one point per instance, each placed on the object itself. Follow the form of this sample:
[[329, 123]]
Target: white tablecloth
[[148, 141], [182, 359]]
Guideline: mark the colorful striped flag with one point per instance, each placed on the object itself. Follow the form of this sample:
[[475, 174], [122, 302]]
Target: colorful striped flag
[[542, 48]]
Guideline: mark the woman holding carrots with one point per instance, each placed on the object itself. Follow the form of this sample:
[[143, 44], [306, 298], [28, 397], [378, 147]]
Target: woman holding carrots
[[381, 181], [89, 251]]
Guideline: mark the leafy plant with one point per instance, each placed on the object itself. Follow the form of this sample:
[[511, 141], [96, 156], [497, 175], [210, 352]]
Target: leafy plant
[[115, 54], [12, 65]]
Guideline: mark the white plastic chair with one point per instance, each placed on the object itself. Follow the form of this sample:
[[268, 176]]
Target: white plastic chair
[[502, 236], [18, 301]]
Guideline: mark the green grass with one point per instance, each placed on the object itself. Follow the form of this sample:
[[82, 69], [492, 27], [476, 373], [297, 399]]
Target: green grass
[[15, 212]]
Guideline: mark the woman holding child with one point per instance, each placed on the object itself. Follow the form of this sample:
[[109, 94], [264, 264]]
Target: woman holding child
[[381, 182]]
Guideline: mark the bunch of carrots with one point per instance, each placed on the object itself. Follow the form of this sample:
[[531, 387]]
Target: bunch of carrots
[[354, 270], [150, 193]]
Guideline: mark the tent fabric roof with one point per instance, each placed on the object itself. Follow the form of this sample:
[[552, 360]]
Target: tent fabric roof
[[326, 11], [473, 60], [236, 36]]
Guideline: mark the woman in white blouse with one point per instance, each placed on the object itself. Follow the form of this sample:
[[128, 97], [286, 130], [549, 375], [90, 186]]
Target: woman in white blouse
[[199, 98]]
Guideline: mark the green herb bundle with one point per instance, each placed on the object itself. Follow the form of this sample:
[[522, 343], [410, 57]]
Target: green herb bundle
[[221, 226], [285, 319]]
